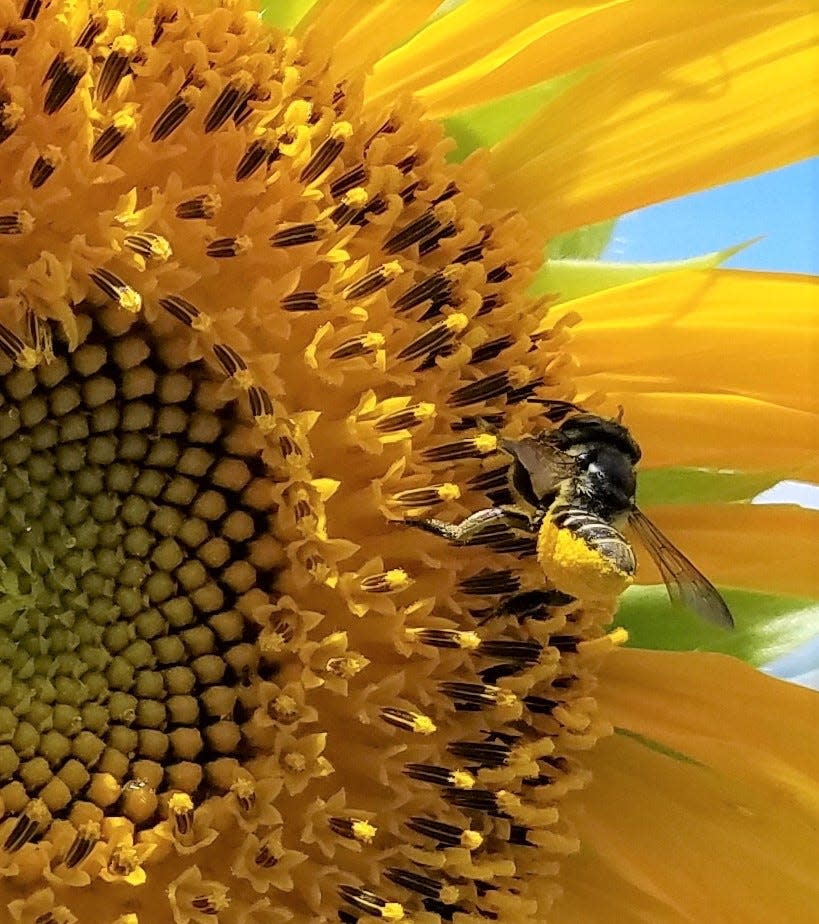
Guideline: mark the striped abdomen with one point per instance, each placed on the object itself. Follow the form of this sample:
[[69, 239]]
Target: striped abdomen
[[597, 534]]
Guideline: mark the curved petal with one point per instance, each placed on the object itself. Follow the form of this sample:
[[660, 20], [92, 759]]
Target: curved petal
[[486, 49], [671, 841], [765, 547], [362, 31], [711, 104], [704, 330], [714, 709]]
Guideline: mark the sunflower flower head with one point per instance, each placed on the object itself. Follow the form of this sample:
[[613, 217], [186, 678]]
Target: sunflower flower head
[[250, 325]]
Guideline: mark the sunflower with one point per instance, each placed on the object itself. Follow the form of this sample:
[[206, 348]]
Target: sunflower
[[257, 316]]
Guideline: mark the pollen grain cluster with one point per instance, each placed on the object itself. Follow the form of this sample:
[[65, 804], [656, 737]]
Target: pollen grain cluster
[[249, 327]]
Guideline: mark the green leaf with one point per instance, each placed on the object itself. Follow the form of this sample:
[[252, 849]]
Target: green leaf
[[767, 626], [581, 244], [700, 486], [483, 126], [575, 278], [285, 13]]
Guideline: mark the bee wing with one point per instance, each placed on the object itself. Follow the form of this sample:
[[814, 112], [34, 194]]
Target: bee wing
[[546, 465], [686, 584]]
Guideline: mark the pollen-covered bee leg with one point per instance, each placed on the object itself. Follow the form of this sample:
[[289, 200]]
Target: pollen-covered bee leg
[[483, 526]]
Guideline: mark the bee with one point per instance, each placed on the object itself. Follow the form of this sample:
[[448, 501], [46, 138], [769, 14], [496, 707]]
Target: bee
[[576, 484]]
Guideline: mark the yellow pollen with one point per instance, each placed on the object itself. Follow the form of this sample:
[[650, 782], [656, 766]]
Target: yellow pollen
[[486, 443], [423, 725], [462, 779], [449, 491], [392, 911], [472, 840], [364, 831]]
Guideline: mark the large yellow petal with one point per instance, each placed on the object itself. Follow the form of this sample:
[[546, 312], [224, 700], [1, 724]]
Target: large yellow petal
[[667, 841], [717, 710], [704, 331], [486, 49], [766, 547], [362, 31], [711, 104]]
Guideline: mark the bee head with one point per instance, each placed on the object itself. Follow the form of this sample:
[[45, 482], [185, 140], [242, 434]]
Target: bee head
[[606, 480]]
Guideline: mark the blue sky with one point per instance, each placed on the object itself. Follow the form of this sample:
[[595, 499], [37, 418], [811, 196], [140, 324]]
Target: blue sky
[[783, 208]]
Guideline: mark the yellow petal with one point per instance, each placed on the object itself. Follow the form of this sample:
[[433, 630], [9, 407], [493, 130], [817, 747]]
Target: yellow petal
[[741, 545], [711, 104], [486, 49], [362, 31], [698, 330], [666, 841], [714, 431], [721, 712]]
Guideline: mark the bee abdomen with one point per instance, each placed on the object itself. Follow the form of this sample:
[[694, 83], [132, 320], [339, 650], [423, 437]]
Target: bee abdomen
[[598, 535]]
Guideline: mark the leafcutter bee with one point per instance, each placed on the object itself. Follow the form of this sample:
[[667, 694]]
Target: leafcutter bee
[[576, 484]]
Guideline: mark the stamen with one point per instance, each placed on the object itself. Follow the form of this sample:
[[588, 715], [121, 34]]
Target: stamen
[[386, 582], [528, 651], [180, 808], [20, 222], [431, 243], [413, 722], [326, 153], [116, 289], [226, 103], [204, 206], [355, 176], [116, 66], [230, 361], [45, 165], [229, 246], [439, 776], [359, 346], [489, 582], [301, 301], [257, 153], [113, 136], [175, 113], [370, 903], [17, 351], [437, 287], [307, 232], [491, 349], [148, 245], [481, 390], [185, 312], [425, 497], [92, 30], [39, 333], [445, 834], [473, 448], [373, 281], [477, 694], [483, 753], [405, 419], [355, 829], [423, 885], [88, 835], [28, 824], [426, 224], [445, 638], [64, 74], [351, 205], [438, 335]]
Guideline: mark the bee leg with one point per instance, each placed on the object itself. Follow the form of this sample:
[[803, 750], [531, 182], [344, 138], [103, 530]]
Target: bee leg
[[483, 526]]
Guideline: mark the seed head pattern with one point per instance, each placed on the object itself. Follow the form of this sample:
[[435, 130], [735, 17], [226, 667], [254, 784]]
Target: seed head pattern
[[249, 325]]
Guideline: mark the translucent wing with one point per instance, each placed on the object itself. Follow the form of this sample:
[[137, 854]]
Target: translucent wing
[[545, 465], [686, 584]]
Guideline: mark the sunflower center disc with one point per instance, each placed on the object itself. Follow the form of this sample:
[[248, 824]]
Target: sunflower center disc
[[134, 547]]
